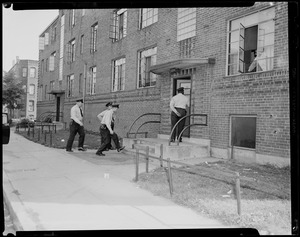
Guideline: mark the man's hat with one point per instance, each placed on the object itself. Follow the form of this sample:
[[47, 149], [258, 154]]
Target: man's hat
[[115, 106], [108, 104], [180, 89], [79, 100]]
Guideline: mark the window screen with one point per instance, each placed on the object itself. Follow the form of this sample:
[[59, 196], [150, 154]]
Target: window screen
[[243, 131]]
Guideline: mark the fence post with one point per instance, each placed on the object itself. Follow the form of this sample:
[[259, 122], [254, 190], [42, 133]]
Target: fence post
[[32, 132], [28, 132], [161, 155], [137, 165], [50, 133], [238, 192], [39, 134], [45, 137], [170, 177], [147, 159]]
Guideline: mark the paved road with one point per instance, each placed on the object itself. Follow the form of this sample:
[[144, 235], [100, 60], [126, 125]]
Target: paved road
[[50, 189]]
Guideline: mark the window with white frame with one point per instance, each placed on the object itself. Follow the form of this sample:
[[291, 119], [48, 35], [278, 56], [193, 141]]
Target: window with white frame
[[148, 16], [71, 50], [52, 61], [186, 23], [32, 72], [40, 93], [119, 24], [70, 85], [94, 31], [118, 74], [24, 72], [251, 43], [146, 58], [92, 80], [80, 83], [31, 89], [243, 131], [31, 106], [53, 35]]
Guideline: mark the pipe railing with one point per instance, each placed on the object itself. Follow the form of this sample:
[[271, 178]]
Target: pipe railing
[[146, 114], [176, 125]]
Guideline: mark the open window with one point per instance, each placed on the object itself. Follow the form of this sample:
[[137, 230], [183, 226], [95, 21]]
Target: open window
[[118, 27], [251, 43]]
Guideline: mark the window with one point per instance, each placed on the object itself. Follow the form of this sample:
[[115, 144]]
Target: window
[[31, 106], [52, 83], [146, 59], [45, 94], [32, 72], [81, 43], [70, 85], [24, 72], [72, 18], [119, 25], [53, 35], [41, 43], [251, 43], [31, 89], [92, 80], [94, 31], [186, 23], [47, 64], [118, 77], [243, 131], [40, 93], [80, 84], [52, 61], [71, 50], [148, 16], [186, 48], [46, 39]]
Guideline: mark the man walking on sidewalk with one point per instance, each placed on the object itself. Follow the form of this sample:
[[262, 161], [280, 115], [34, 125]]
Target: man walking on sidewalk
[[76, 126], [107, 132]]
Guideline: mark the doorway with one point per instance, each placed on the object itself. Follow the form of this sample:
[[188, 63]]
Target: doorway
[[186, 84], [57, 108]]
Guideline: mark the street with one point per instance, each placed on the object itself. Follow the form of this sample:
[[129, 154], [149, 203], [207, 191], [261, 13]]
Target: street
[[50, 189]]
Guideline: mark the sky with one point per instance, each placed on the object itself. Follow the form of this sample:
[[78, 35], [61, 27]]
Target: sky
[[20, 33]]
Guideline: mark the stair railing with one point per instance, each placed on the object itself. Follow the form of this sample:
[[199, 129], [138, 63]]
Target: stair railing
[[147, 122], [186, 127]]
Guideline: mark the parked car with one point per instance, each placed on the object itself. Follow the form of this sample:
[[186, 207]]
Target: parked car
[[5, 128]]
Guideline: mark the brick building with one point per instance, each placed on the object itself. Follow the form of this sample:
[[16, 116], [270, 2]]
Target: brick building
[[232, 61], [27, 71]]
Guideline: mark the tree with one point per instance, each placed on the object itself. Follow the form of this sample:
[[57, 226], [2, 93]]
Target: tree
[[12, 92]]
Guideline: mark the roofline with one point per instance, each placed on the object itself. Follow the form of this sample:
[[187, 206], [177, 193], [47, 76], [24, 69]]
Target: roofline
[[49, 25]]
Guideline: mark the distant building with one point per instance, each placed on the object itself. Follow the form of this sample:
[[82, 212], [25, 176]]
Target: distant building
[[27, 71], [139, 57]]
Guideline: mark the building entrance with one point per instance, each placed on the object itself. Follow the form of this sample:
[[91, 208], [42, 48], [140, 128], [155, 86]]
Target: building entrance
[[186, 84]]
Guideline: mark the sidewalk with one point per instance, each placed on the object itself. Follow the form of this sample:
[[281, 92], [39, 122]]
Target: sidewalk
[[50, 189]]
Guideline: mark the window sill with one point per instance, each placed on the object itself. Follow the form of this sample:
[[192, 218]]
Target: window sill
[[248, 73]]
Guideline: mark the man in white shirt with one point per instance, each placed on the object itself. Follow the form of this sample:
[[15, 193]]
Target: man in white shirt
[[76, 126], [178, 105], [107, 132]]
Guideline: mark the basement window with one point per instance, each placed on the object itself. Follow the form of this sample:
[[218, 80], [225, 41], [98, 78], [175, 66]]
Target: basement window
[[243, 131]]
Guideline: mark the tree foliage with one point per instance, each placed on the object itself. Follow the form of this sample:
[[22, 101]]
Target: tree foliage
[[12, 91]]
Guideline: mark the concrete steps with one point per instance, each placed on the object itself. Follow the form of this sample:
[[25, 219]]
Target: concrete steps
[[185, 149]]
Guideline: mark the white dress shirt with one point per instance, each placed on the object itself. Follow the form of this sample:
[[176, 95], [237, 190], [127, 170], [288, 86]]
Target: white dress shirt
[[107, 116], [76, 114], [179, 101]]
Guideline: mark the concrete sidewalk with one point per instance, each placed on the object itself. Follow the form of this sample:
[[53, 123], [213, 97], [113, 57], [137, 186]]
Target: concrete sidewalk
[[50, 189]]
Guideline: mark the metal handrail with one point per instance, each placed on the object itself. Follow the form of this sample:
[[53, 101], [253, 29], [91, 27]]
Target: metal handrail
[[176, 125], [144, 124], [127, 135], [186, 127]]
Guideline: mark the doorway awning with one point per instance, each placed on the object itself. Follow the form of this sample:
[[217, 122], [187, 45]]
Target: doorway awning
[[179, 64], [55, 92]]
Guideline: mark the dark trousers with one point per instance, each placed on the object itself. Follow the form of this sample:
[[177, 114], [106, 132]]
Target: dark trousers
[[106, 139], [74, 129], [174, 120]]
